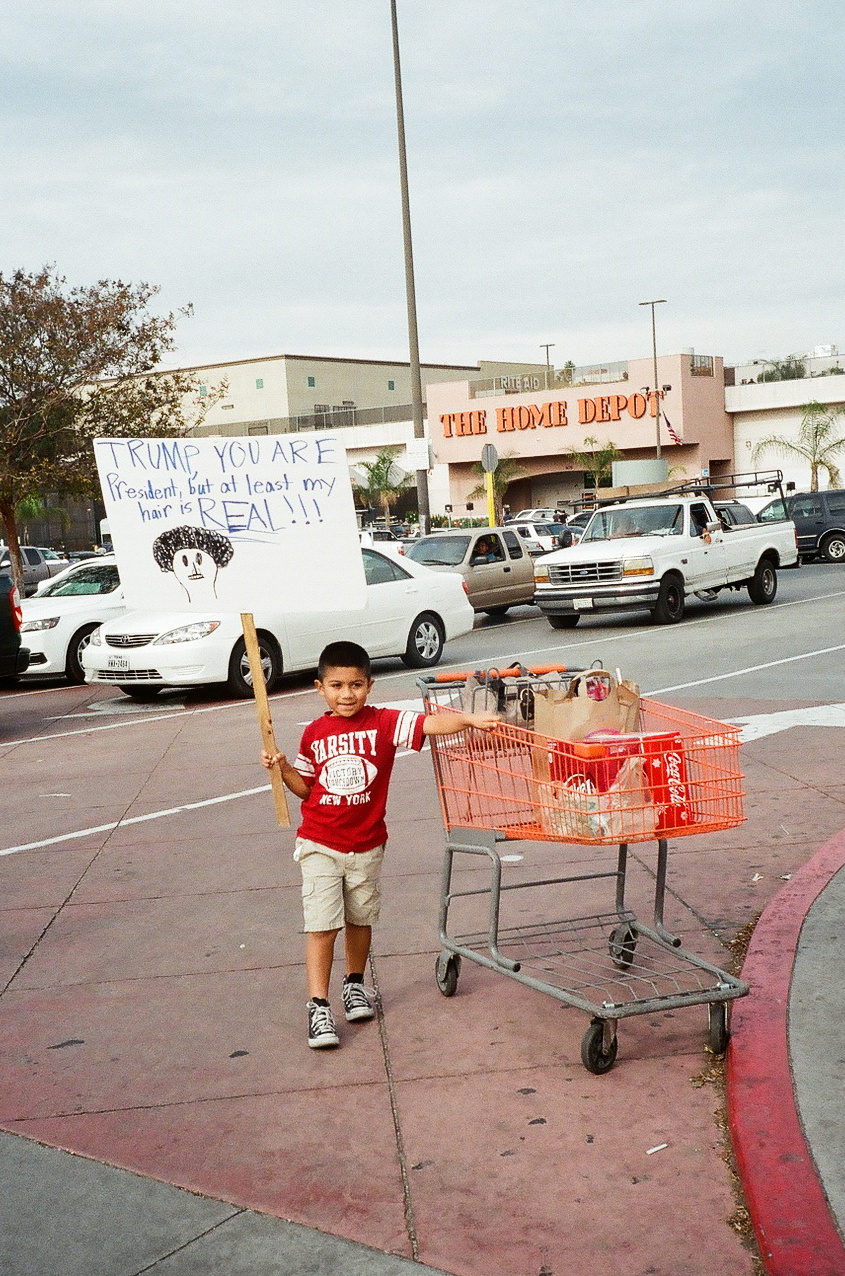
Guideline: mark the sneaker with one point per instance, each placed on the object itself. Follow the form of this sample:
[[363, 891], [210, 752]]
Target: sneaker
[[357, 1002], [321, 1029]]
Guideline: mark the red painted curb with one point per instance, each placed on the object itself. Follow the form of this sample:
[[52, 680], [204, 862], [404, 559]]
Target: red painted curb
[[795, 1230]]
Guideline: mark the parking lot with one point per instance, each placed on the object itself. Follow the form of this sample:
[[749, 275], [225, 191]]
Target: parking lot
[[150, 922]]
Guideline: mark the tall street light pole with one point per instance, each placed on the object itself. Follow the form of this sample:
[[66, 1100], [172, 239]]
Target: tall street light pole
[[659, 301], [547, 346], [410, 291]]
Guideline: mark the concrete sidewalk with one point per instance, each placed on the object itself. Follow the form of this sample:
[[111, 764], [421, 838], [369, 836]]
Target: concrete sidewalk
[[153, 1020]]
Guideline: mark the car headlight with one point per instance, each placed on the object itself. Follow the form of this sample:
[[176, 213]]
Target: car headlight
[[642, 566], [96, 639], [189, 633], [541, 574], [30, 626]]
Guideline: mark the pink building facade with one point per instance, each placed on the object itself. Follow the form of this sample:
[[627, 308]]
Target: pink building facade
[[539, 428]]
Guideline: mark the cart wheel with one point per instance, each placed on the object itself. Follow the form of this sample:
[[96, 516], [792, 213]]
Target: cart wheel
[[717, 1030], [594, 1056], [446, 972], [623, 945]]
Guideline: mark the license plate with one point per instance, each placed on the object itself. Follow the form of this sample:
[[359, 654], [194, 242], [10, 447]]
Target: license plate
[[119, 663], [583, 604]]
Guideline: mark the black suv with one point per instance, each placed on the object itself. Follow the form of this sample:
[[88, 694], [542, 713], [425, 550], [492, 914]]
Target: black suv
[[14, 658], [819, 519]]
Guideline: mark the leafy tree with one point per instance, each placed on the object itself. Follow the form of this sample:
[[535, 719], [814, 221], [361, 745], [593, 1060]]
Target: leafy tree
[[506, 472], [78, 363], [789, 369], [819, 441], [597, 461], [385, 481]]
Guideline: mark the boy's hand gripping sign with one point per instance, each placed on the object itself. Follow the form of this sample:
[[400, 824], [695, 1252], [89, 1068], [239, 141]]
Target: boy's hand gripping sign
[[234, 525]]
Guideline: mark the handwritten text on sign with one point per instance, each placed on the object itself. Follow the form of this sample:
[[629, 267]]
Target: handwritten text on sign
[[233, 522]]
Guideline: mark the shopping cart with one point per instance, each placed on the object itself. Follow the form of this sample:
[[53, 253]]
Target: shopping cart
[[679, 776]]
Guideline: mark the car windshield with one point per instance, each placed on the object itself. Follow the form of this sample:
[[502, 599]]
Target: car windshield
[[88, 580], [440, 551], [549, 529], [645, 520], [773, 512]]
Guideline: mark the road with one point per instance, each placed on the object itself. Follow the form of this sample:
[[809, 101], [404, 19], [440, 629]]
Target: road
[[724, 650]]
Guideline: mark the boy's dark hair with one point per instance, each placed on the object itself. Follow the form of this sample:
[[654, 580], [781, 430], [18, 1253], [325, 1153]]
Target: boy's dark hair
[[343, 655]]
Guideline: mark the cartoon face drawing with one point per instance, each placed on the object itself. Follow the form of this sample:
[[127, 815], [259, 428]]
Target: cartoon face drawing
[[195, 556]]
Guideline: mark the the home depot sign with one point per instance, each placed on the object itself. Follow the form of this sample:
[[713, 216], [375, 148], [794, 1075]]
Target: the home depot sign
[[533, 416]]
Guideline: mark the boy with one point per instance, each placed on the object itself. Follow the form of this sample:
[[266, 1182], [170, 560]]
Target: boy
[[342, 775]]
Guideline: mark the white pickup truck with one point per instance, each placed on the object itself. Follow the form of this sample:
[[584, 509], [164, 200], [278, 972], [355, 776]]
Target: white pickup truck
[[652, 553]]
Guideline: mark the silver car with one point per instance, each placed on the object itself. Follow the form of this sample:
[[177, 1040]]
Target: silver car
[[494, 562]]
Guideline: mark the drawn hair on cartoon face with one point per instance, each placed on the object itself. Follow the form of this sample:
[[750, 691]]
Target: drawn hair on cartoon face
[[194, 555]]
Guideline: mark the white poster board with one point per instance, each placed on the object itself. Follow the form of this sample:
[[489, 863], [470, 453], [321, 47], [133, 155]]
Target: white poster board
[[233, 524]]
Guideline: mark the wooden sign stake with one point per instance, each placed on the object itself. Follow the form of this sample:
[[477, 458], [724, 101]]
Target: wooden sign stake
[[265, 722]]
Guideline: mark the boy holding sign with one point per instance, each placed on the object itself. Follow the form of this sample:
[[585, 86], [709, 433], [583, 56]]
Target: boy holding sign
[[342, 775]]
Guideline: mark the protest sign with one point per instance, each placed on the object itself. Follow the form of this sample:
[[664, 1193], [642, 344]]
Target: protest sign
[[233, 524]]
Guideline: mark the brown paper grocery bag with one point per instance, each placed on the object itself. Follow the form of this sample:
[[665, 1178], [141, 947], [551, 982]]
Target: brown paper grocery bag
[[572, 714]]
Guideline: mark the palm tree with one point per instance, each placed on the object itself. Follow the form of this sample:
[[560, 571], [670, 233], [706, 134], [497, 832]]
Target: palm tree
[[819, 440], [30, 508], [506, 472], [598, 461], [385, 481]]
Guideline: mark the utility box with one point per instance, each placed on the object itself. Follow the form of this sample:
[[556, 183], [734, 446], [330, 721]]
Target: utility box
[[639, 473]]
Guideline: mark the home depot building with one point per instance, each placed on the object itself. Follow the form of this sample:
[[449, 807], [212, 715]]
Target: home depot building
[[537, 428]]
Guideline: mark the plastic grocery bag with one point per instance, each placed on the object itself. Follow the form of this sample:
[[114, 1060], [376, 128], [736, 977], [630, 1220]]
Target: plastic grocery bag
[[575, 810]]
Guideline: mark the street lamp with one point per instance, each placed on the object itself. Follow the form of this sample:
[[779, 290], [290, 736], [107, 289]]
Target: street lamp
[[659, 301], [410, 291], [547, 346]]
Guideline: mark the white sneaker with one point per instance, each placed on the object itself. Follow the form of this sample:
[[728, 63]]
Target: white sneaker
[[321, 1028], [357, 1002]]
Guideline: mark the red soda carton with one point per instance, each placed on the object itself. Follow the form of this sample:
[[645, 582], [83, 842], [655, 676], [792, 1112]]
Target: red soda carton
[[665, 769]]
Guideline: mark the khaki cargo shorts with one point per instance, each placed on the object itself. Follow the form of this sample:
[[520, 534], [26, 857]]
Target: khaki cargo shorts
[[339, 887]]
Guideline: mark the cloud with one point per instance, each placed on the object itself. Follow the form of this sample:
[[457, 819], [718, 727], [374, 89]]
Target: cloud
[[565, 161]]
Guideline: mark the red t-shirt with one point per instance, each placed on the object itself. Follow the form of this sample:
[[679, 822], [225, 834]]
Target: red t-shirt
[[348, 762]]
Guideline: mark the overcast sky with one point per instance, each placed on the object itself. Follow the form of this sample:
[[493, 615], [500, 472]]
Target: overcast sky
[[567, 159]]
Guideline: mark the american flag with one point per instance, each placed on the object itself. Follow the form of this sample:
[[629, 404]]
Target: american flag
[[673, 434]]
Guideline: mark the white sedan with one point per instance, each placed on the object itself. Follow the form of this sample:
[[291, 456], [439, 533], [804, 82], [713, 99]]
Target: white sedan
[[59, 620], [410, 612]]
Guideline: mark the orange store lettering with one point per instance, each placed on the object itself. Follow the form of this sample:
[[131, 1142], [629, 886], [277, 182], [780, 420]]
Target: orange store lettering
[[604, 407]]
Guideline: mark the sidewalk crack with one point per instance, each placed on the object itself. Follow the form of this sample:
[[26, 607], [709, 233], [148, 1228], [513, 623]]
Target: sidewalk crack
[[410, 1224], [179, 1248]]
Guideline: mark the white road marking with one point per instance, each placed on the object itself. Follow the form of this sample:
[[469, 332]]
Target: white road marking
[[759, 725], [135, 819], [737, 673]]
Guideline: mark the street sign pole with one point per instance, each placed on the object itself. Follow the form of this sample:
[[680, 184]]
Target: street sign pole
[[489, 461]]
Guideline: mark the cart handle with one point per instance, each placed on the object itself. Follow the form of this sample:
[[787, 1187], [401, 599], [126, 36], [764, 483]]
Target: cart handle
[[505, 673]]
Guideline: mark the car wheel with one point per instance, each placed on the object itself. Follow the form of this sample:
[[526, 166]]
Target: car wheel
[[239, 681], [670, 601], [73, 661], [563, 622], [496, 612], [140, 691], [764, 583], [425, 642], [833, 548]]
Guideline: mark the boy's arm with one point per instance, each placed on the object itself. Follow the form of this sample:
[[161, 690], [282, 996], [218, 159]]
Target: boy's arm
[[450, 721], [293, 780]]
